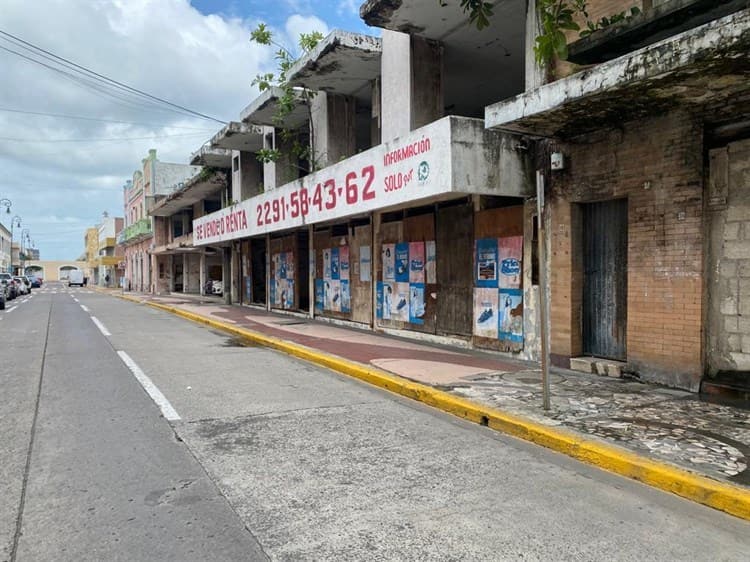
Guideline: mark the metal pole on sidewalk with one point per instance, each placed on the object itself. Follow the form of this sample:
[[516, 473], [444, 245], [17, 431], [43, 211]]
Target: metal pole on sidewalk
[[543, 288]]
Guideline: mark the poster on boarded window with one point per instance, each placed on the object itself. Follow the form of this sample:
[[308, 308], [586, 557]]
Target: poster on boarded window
[[486, 260], [319, 292], [511, 252], [365, 263], [335, 264], [344, 263], [379, 301], [402, 262], [416, 262], [327, 264], [510, 326], [346, 299], [388, 296], [430, 266], [389, 262], [400, 303], [335, 295], [416, 303], [485, 312]]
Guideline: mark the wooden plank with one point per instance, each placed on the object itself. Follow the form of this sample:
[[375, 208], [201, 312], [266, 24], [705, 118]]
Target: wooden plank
[[454, 255], [361, 291]]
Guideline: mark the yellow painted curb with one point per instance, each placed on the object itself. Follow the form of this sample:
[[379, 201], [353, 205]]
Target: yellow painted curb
[[718, 495]]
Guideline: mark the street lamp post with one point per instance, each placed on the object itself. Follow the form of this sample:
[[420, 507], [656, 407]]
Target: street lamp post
[[15, 221], [22, 250]]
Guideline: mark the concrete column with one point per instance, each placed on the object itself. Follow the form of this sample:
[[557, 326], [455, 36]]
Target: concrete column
[[332, 128], [247, 175], [269, 168], [202, 272], [170, 265], [411, 81], [235, 271], [185, 273], [534, 74], [395, 84], [226, 274], [375, 123]]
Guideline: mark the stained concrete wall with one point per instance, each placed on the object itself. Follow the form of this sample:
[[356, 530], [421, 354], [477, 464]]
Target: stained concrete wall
[[333, 127], [728, 206], [247, 179], [411, 81], [395, 85]]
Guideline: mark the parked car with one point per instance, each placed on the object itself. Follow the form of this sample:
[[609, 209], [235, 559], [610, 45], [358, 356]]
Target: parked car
[[23, 285], [36, 282], [9, 285]]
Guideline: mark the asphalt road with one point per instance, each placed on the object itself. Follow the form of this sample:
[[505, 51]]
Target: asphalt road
[[239, 453]]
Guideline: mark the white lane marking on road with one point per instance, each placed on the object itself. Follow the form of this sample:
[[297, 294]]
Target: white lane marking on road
[[101, 327], [166, 408], [85, 308], [11, 309], [75, 299]]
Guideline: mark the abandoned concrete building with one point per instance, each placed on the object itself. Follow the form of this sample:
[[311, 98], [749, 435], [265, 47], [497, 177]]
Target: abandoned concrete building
[[417, 212]]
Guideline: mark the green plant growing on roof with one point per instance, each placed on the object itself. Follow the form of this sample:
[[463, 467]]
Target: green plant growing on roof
[[290, 96], [555, 18]]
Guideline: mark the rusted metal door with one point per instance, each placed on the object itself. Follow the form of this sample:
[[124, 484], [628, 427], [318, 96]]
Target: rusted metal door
[[454, 257], [605, 278]]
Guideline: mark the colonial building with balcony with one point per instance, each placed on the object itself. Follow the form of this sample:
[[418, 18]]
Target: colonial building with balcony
[[154, 178]]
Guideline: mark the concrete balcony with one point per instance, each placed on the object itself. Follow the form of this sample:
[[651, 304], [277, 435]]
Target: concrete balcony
[[180, 245], [109, 242], [447, 159], [136, 232]]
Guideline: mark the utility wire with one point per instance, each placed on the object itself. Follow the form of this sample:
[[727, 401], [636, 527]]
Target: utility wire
[[80, 68], [113, 139], [99, 87], [64, 116]]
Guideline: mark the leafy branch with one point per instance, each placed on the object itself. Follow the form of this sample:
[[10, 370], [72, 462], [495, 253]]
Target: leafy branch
[[289, 97]]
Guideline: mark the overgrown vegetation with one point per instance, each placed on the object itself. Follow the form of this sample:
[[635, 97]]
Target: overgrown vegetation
[[302, 150], [555, 18]]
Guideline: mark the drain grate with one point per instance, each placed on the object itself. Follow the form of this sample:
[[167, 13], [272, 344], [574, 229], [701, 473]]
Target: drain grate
[[290, 322]]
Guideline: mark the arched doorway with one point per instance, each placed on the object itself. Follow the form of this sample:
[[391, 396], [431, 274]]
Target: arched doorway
[[64, 272], [35, 270]]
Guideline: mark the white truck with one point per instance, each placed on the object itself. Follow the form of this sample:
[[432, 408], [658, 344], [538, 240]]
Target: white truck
[[75, 278]]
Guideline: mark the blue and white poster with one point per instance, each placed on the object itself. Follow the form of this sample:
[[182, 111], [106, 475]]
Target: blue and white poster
[[389, 262], [319, 295], [416, 303], [346, 299], [335, 266], [485, 312], [402, 262], [379, 301], [510, 317], [388, 296], [327, 264], [282, 266], [400, 302], [486, 260], [511, 252]]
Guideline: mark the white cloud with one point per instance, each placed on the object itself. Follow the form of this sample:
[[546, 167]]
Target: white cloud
[[297, 25], [164, 47]]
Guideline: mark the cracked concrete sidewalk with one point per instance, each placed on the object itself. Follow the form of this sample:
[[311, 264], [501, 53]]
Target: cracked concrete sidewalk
[[665, 424]]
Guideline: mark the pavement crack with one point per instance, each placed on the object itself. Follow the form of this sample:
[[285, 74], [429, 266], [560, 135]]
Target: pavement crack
[[282, 412]]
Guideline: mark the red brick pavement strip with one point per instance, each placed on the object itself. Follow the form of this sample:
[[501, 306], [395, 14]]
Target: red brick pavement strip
[[365, 352]]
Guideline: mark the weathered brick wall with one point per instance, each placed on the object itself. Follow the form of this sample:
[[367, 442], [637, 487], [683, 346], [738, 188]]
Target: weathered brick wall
[[657, 164]]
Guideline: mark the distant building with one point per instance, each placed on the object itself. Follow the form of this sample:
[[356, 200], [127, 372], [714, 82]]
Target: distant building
[[136, 240]]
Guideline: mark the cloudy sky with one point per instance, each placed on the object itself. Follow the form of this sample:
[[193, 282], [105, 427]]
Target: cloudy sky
[[68, 145]]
